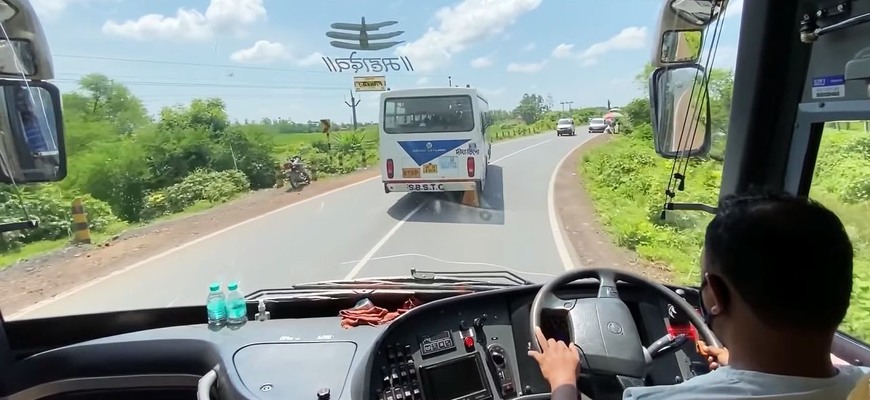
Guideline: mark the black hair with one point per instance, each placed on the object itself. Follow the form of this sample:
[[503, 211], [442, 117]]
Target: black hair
[[788, 257]]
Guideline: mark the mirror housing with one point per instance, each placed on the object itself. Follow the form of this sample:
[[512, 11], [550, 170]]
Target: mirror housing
[[679, 103], [699, 13], [32, 148], [24, 35], [683, 16], [681, 47]]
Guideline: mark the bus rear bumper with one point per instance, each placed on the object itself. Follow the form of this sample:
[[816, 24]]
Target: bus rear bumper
[[431, 186]]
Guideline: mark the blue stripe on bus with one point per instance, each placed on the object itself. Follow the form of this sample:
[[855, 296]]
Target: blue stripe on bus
[[423, 151]]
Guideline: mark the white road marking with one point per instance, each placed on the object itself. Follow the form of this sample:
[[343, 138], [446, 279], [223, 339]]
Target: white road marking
[[362, 263], [558, 238], [519, 151], [182, 246], [26, 310]]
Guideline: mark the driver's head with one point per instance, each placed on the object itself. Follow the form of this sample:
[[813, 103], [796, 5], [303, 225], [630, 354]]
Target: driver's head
[[777, 263]]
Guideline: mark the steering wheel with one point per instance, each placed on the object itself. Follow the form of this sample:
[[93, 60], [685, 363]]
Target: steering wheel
[[604, 328]]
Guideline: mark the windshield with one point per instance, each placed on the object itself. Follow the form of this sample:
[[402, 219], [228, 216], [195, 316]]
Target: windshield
[[565, 122], [180, 118], [428, 114]]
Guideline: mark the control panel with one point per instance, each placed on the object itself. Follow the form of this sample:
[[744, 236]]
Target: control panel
[[400, 379]]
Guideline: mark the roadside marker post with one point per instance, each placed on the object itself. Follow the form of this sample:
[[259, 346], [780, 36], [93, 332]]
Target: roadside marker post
[[81, 230]]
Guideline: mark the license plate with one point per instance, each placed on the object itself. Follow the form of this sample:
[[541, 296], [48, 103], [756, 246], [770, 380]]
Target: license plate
[[447, 162], [425, 187], [410, 172], [430, 169]]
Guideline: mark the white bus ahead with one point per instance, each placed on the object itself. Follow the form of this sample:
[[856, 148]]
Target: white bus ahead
[[434, 140]]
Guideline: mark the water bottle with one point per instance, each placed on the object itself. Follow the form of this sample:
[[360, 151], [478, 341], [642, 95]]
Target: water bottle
[[216, 305], [237, 308]]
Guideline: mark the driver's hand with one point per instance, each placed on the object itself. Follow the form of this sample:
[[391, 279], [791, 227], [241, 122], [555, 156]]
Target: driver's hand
[[716, 356], [559, 362]]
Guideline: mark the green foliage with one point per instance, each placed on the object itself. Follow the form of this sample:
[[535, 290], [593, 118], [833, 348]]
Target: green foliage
[[626, 180], [201, 185], [127, 167]]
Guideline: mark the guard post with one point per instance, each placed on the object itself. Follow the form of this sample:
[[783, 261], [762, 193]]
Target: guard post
[[81, 231]]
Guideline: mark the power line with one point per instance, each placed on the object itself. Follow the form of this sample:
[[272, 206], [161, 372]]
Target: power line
[[215, 85], [192, 64]]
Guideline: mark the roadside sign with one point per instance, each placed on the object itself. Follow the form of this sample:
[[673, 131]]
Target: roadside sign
[[325, 125], [370, 83]]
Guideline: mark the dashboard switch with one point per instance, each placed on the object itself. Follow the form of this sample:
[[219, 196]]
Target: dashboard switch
[[468, 341], [323, 394]]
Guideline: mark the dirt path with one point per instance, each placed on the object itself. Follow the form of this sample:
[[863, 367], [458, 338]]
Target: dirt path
[[47, 276], [592, 244]]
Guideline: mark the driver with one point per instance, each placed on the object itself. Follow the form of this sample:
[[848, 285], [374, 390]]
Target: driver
[[776, 283]]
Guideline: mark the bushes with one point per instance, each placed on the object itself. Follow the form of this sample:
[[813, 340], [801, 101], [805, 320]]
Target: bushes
[[626, 181], [202, 185], [53, 209]]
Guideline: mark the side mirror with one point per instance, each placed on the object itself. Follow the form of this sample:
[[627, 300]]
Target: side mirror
[[680, 47], [31, 133], [679, 102], [699, 13]]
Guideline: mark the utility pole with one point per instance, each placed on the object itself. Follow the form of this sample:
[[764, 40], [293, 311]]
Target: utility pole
[[450, 81], [608, 105], [563, 105], [569, 105], [353, 103]]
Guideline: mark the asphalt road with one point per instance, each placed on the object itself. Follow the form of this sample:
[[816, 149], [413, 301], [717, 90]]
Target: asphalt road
[[358, 231]]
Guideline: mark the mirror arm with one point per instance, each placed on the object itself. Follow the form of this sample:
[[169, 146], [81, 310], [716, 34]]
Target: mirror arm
[[18, 226], [691, 207]]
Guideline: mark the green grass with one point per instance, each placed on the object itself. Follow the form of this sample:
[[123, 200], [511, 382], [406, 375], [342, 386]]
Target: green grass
[[625, 179]]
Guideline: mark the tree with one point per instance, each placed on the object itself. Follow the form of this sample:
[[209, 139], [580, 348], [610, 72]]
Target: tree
[[102, 99], [531, 108]]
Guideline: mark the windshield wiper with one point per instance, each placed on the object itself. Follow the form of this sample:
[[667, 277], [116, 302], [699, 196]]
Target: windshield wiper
[[418, 281], [497, 274]]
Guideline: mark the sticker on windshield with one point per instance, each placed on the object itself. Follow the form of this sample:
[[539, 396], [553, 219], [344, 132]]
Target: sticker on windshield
[[827, 87]]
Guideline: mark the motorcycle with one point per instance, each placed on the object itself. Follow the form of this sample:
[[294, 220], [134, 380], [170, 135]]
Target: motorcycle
[[296, 172]]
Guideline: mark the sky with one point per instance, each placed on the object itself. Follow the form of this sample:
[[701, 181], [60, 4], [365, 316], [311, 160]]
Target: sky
[[265, 57]]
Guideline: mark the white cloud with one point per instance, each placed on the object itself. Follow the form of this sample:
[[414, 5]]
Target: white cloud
[[631, 38], [481, 62], [462, 25], [733, 9], [529, 47], [564, 50], [263, 51], [221, 17], [311, 59], [526, 68]]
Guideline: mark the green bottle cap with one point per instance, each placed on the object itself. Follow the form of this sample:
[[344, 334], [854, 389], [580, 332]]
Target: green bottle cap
[[233, 286], [214, 287]]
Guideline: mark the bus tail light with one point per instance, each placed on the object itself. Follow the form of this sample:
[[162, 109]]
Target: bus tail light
[[391, 170], [469, 164]]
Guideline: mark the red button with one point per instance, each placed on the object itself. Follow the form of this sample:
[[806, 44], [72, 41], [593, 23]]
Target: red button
[[469, 341]]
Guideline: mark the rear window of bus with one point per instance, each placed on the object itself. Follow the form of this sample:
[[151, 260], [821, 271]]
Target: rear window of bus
[[428, 114]]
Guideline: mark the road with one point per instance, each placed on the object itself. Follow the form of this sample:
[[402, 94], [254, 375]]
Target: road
[[357, 231]]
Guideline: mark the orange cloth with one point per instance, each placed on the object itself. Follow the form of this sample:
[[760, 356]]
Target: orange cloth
[[374, 315]]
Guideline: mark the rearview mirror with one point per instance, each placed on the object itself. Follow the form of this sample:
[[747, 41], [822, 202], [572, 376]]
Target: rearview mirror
[[680, 114], [31, 133], [696, 12], [679, 47]]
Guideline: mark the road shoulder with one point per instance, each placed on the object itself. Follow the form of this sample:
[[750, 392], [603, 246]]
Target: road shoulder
[[575, 210]]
